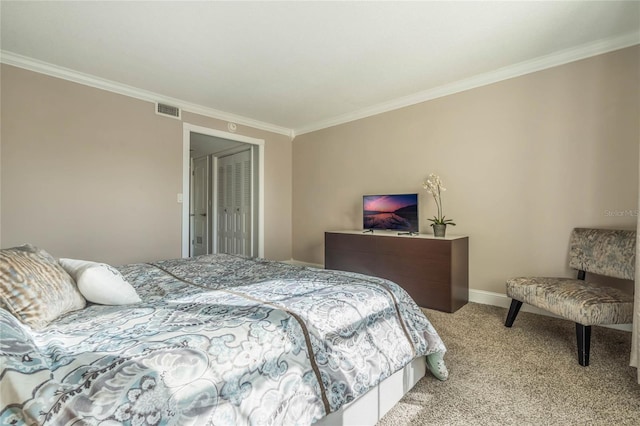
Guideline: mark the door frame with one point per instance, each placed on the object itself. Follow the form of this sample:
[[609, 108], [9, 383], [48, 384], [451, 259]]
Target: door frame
[[192, 204], [187, 129]]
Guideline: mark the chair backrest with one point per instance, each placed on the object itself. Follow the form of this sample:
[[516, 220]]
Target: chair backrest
[[610, 252]]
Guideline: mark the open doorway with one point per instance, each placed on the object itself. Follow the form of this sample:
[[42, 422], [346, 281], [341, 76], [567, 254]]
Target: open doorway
[[223, 201]]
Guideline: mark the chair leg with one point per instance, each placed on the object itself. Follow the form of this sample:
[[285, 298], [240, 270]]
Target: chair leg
[[513, 312], [583, 335]]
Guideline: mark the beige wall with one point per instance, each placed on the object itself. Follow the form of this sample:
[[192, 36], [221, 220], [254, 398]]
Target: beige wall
[[524, 161], [91, 174]]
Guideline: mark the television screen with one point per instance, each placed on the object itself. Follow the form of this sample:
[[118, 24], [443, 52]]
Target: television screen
[[391, 212]]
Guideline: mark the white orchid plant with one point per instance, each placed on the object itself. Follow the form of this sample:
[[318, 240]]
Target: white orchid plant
[[433, 185]]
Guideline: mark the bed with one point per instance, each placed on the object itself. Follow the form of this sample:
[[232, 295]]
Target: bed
[[215, 339]]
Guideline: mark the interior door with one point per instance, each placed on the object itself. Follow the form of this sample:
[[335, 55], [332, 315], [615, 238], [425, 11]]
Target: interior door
[[242, 203], [234, 204], [200, 175], [225, 204]]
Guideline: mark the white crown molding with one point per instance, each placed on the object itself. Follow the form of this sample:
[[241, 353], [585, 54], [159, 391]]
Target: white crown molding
[[41, 67], [527, 67]]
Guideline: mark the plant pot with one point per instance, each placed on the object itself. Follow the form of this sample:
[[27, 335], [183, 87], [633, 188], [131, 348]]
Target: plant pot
[[439, 229]]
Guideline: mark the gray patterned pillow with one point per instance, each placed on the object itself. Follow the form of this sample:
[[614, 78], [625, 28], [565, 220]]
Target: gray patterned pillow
[[34, 287]]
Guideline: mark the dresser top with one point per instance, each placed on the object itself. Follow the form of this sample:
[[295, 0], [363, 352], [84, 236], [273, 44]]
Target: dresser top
[[397, 234]]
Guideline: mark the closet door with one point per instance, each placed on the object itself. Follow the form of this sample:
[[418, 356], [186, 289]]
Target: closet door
[[225, 205], [242, 203], [234, 204]]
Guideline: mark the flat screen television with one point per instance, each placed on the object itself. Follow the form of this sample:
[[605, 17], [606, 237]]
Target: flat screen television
[[397, 212]]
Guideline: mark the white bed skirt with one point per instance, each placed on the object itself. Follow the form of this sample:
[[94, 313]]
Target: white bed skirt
[[370, 407]]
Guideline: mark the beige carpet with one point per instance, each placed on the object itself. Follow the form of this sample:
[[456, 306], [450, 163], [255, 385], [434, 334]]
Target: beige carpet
[[524, 375]]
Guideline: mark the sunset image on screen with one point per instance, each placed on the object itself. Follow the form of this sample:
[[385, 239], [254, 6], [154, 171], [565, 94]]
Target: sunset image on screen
[[388, 203], [394, 212]]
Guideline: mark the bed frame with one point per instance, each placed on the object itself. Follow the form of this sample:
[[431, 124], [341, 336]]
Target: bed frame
[[373, 405]]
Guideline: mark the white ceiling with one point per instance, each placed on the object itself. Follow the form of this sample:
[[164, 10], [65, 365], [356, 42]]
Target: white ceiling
[[294, 67]]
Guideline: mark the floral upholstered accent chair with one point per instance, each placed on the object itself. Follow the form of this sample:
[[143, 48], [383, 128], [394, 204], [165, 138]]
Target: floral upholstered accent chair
[[605, 252]]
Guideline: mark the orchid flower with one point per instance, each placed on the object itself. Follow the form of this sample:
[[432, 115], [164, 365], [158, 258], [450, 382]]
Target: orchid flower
[[433, 185]]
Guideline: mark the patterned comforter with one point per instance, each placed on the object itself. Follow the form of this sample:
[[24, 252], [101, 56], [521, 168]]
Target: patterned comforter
[[217, 339]]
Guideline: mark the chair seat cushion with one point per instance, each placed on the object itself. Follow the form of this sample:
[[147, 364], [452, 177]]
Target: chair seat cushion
[[579, 301]]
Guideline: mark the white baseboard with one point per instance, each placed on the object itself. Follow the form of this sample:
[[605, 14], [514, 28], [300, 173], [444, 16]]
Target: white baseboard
[[503, 301], [488, 298], [301, 263]]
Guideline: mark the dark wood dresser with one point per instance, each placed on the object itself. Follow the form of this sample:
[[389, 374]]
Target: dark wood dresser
[[434, 271]]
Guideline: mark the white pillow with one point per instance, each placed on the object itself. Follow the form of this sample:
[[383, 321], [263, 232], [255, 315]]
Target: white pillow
[[100, 283]]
